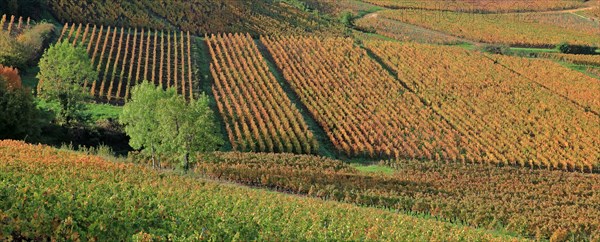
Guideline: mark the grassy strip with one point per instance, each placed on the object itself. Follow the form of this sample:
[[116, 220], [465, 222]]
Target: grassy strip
[[47, 194]]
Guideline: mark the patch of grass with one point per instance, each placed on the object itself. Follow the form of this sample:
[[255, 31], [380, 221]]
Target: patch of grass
[[97, 111], [373, 169], [534, 50], [580, 68]]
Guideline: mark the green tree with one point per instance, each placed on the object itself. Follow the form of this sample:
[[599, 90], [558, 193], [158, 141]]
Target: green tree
[[63, 71], [164, 123], [19, 115], [187, 127], [139, 118]]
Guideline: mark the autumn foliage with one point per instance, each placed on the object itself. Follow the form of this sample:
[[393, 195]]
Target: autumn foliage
[[11, 77], [258, 114], [126, 57], [518, 112], [50, 194], [483, 196]]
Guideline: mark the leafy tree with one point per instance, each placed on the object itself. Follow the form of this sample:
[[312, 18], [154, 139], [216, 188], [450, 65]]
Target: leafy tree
[[138, 117], [164, 123], [19, 114], [63, 71], [186, 128]]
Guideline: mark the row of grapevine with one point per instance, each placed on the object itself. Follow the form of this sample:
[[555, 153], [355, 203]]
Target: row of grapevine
[[576, 86], [496, 197], [258, 115], [364, 110], [510, 29], [83, 197], [125, 57], [516, 119], [12, 25], [592, 60], [480, 6]]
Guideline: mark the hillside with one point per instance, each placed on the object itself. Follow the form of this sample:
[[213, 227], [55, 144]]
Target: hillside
[[82, 197], [198, 16]]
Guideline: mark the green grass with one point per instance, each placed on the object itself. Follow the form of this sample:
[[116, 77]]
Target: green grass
[[95, 111], [534, 50], [578, 67], [373, 169], [98, 111]]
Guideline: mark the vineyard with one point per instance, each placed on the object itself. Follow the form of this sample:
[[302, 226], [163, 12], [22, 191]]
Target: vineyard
[[257, 112], [494, 28], [572, 21], [573, 85], [511, 198], [401, 31], [13, 24], [79, 197], [363, 110], [479, 6], [126, 57], [481, 97], [592, 60], [196, 16]]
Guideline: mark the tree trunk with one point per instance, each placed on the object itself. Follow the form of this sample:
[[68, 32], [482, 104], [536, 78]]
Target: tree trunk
[[186, 162], [153, 159]]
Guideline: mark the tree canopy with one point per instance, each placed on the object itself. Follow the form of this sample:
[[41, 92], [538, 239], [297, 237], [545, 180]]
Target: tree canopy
[[63, 71], [165, 123]]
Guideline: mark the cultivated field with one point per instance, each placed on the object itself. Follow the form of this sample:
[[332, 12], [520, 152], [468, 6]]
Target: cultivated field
[[481, 6], [494, 28], [126, 57], [481, 95], [258, 115]]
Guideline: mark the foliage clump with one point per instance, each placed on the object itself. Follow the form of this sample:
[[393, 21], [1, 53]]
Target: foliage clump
[[63, 71], [164, 123]]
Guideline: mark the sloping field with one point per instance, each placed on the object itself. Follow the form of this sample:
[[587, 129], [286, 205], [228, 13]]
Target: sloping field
[[49, 194], [510, 115], [494, 28], [126, 57], [481, 6], [196, 16]]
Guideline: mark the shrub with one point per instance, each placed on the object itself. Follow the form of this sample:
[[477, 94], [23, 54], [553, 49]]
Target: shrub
[[19, 114], [567, 48], [497, 49]]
